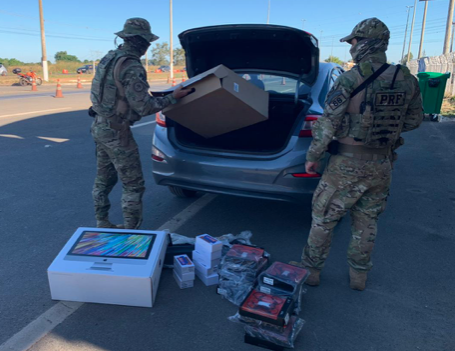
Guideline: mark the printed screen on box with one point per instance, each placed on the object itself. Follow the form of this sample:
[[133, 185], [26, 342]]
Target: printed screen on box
[[117, 245]]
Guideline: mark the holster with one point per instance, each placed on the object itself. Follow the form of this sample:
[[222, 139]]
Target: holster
[[91, 112], [333, 147], [123, 128]]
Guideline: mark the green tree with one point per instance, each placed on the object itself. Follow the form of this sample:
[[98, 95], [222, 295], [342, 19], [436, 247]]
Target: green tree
[[160, 54], [405, 58], [63, 56], [11, 62], [179, 57], [334, 59]]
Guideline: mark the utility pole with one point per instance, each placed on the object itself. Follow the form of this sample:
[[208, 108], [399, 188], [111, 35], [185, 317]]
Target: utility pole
[[171, 48], [423, 28], [412, 30], [448, 27], [43, 43], [303, 24], [331, 52], [453, 30], [268, 14], [408, 8]]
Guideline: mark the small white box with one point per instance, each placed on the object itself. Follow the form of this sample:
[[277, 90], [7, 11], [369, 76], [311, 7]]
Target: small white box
[[208, 243], [112, 266], [204, 269], [185, 276], [206, 259], [183, 284], [209, 280], [183, 265]]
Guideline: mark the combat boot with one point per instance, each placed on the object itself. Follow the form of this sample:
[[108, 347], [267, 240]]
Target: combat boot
[[313, 278], [105, 223], [358, 279]]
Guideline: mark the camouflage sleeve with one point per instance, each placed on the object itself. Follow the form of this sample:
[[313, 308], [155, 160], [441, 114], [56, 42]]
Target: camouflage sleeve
[[134, 80], [414, 114], [326, 126]]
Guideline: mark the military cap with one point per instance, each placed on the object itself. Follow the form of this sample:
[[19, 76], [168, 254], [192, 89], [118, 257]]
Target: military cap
[[137, 26], [371, 28]]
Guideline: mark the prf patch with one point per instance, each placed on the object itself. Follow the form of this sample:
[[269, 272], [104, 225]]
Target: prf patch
[[337, 100], [390, 99]]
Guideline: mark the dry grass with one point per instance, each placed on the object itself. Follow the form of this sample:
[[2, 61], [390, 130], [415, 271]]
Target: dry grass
[[448, 107]]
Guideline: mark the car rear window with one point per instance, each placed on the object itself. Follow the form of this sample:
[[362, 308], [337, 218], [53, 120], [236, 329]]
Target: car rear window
[[275, 84]]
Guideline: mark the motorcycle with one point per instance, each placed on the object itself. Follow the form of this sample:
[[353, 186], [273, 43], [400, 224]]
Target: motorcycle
[[27, 78]]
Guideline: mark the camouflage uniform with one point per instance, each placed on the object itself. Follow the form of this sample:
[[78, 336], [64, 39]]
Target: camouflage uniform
[[120, 97], [358, 177]]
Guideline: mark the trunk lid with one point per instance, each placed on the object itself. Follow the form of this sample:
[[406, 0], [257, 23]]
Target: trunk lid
[[266, 48]]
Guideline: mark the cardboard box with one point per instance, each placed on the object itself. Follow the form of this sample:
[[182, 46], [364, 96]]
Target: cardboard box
[[207, 243], [208, 280], [183, 284], [205, 269], [222, 102], [207, 259], [183, 265], [111, 266]]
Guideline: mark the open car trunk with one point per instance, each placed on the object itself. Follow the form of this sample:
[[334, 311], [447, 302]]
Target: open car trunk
[[270, 136]]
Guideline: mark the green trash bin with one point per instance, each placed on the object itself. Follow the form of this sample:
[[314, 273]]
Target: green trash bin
[[432, 86]]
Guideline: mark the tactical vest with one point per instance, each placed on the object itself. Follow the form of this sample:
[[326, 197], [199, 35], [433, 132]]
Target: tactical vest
[[376, 116], [105, 90]]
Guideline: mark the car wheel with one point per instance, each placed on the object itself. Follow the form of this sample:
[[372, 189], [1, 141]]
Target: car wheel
[[3, 74], [180, 192]]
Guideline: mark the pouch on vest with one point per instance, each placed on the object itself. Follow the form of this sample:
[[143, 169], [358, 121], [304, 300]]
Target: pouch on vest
[[382, 119]]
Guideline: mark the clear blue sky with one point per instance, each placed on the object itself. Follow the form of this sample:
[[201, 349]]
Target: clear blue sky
[[85, 28]]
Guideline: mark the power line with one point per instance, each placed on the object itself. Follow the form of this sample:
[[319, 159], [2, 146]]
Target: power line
[[52, 35]]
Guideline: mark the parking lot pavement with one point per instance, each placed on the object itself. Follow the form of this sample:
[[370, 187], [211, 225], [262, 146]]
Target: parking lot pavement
[[46, 195]]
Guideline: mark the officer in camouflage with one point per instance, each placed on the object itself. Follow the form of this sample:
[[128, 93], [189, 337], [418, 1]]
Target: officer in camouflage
[[365, 112], [120, 98]]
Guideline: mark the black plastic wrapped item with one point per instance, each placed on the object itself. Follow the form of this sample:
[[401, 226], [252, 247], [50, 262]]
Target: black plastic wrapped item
[[271, 335], [238, 272], [284, 276], [271, 309]]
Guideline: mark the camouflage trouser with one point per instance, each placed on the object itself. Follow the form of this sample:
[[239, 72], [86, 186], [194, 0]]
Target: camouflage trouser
[[348, 184], [113, 161]]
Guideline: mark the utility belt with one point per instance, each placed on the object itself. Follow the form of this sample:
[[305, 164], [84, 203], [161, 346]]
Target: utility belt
[[359, 151], [123, 128]]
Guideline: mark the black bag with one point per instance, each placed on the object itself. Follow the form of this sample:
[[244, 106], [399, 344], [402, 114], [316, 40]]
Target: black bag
[[91, 112]]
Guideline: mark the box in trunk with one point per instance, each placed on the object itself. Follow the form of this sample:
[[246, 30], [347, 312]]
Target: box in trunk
[[222, 102]]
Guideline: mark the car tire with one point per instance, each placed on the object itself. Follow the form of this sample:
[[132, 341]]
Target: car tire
[[3, 74], [180, 192]]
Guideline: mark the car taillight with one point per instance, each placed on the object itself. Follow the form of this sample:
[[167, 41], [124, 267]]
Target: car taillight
[[306, 175], [157, 155], [306, 131], [160, 119]]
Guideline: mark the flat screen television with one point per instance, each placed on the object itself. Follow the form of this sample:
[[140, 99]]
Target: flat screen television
[[111, 247]]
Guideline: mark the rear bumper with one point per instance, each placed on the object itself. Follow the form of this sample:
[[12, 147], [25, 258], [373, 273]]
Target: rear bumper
[[267, 193], [269, 178]]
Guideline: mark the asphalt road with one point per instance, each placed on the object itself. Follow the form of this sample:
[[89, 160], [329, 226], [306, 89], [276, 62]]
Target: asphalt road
[[48, 167]]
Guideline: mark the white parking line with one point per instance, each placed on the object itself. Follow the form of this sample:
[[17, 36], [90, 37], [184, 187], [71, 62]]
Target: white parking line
[[46, 322], [32, 112], [143, 124]]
